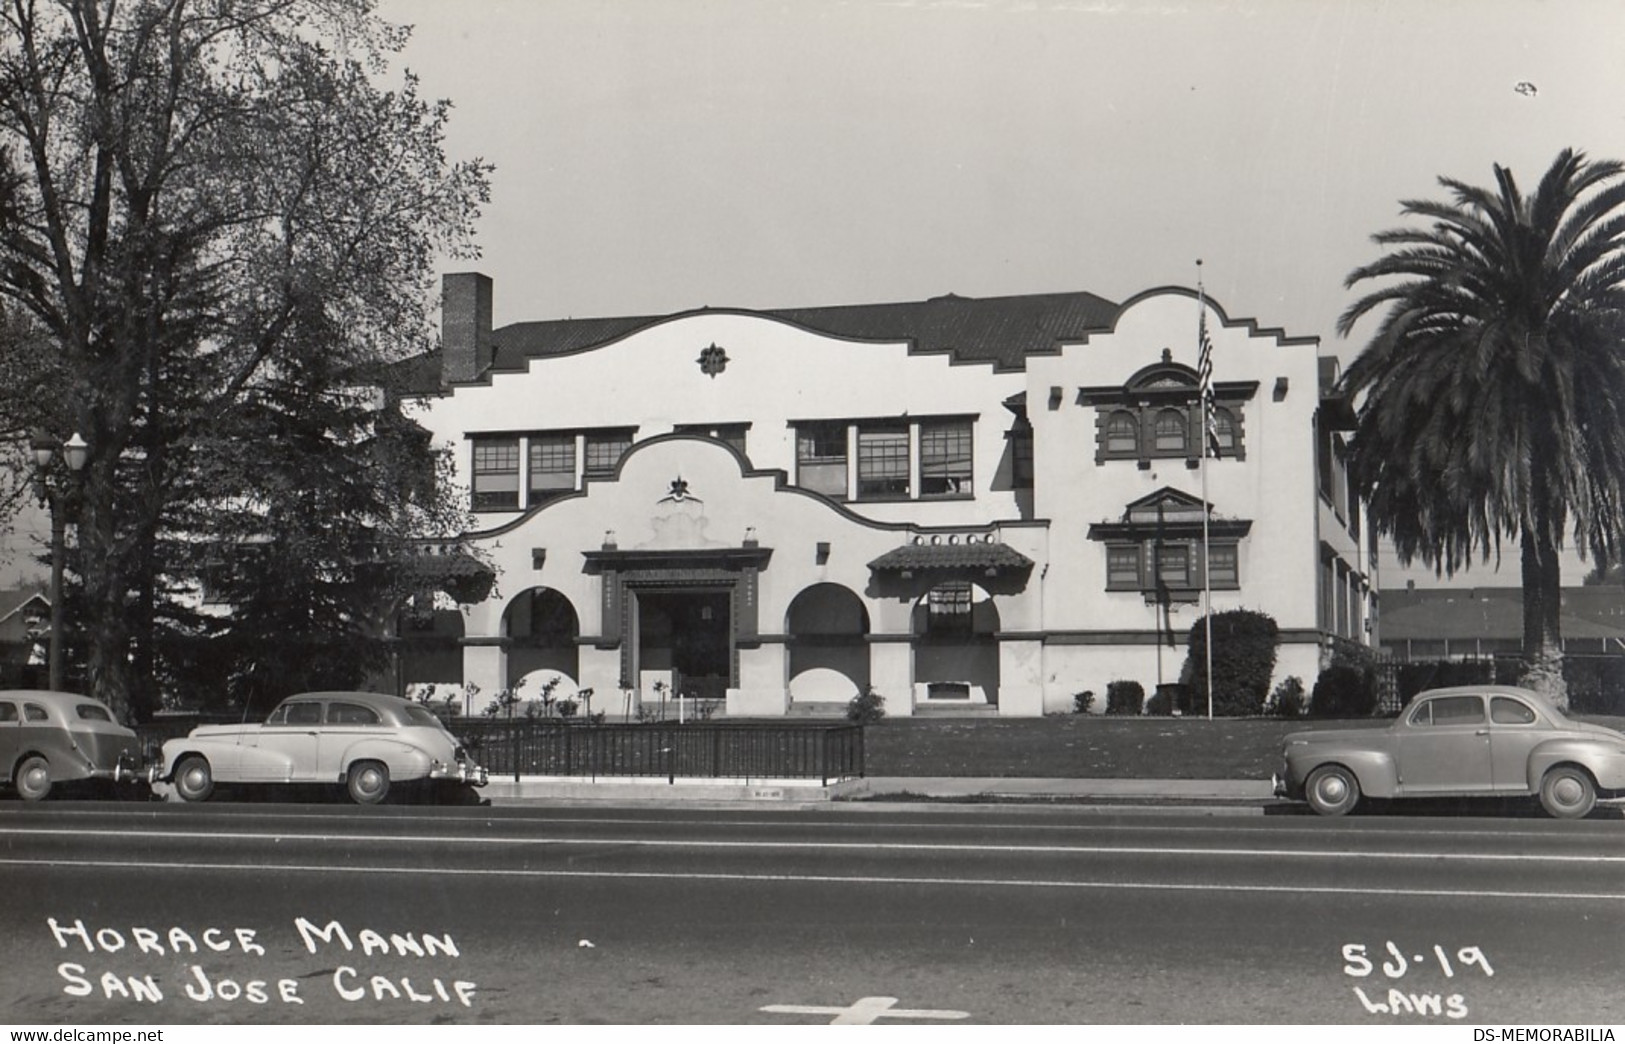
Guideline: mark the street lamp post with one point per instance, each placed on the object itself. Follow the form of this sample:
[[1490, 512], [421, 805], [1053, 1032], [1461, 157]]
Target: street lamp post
[[73, 454]]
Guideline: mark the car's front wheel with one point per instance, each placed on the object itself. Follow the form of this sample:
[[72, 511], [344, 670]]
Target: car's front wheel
[[194, 780], [33, 778], [368, 782], [1332, 790], [1567, 792]]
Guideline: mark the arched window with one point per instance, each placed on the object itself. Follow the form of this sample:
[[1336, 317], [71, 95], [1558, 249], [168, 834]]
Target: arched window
[[1122, 433], [1170, 431]]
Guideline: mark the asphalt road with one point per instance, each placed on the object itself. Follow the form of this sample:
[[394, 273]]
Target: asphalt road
[[141, 914]]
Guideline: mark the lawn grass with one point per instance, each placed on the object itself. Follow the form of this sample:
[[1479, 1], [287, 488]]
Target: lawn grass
[[1091, 746]]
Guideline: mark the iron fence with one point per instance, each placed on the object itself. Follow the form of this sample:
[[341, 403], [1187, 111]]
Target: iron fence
[[702, 750]]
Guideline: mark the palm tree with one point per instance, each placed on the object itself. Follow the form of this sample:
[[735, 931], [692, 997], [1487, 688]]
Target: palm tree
[[1492, 393]]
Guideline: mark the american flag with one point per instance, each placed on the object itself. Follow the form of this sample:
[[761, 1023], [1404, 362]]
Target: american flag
[[1204, 383]]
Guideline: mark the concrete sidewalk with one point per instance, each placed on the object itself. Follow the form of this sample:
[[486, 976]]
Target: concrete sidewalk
[[1188, 792]]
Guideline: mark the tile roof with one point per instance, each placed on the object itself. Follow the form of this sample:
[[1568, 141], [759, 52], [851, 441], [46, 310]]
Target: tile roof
[[974, 555], [1002, 331]]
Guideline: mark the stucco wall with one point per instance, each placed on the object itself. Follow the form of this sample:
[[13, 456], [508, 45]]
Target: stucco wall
[[1060, 630]]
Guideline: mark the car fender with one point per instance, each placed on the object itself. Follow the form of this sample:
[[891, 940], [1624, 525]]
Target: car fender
[[1605, 763], [56, 747], [1376, 771], [404, 760], [171, 753]]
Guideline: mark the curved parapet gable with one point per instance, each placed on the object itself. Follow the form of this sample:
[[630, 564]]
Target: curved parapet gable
[[1249, 325]]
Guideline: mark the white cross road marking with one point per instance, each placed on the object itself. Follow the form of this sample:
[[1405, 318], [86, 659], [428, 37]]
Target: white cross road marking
[[864, 1011]]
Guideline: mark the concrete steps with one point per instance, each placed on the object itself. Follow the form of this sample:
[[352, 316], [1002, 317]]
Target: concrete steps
[[955, 709], [814, 709]]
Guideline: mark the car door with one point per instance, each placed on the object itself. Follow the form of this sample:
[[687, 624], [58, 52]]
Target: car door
[[1445, 747], [1515, 729], [10, 737], [347, 724], [285, 748], [43, 733]]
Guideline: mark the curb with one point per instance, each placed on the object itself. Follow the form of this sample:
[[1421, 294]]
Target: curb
[[1231, 796]]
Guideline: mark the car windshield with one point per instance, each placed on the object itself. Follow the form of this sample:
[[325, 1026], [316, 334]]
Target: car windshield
[[92, 712]]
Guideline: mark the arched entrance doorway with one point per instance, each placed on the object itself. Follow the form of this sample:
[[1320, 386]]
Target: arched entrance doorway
[[541, 627], [956, 648], [827, 625]]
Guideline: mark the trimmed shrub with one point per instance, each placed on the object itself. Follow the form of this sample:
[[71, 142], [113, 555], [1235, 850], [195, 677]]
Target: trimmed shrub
[[1161, 703], [867, 707], [1125, 697], [1083, 702], [1244, 644], [1343, 691], [1351, 690], [1287, 701], [1596, 684]]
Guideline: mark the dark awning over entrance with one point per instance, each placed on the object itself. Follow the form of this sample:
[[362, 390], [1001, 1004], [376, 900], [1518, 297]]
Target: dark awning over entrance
[[449, 568], [991, 558]]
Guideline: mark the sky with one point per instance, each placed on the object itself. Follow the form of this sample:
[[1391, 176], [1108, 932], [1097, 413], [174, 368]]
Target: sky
[[654, 156]]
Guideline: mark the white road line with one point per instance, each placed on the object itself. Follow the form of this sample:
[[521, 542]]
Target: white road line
[[666, 875], [837, 846], [1092, 827]]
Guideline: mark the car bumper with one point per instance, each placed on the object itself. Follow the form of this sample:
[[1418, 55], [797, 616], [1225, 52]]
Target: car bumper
[[127, 769], [462, 772]]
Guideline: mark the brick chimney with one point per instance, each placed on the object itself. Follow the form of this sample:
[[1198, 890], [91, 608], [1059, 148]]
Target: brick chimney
[[465, 327]]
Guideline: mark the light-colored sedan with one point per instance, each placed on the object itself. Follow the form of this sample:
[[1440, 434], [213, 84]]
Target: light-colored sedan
[[57, 737], [1470, 741], [364, 740]]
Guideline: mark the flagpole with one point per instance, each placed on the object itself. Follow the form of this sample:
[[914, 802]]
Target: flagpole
[[1205, 393]]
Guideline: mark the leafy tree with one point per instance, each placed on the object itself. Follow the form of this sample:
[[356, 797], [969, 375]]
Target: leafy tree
[[1494, 386], [219, 221]]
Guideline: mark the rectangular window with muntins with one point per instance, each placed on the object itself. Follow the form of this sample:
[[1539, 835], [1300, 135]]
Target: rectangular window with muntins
[[1174, 566], [1123, 568], [496, 474], [604, 451], [552, 466], [821, 458], [883, 467], [1222, 568], [1021, 454], [945, 458]]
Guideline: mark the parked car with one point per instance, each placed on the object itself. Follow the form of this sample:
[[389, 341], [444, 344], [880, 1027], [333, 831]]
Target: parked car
[[1469, 741], [56, 737], [364, 740]]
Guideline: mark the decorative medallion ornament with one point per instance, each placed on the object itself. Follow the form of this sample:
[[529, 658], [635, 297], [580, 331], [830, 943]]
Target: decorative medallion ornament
[[712, 360], [679, 492]]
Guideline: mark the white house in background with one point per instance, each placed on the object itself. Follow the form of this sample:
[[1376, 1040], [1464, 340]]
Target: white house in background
[[987, 505]]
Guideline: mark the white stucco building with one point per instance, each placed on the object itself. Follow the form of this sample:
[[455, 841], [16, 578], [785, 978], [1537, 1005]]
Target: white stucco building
[[980, 504]]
